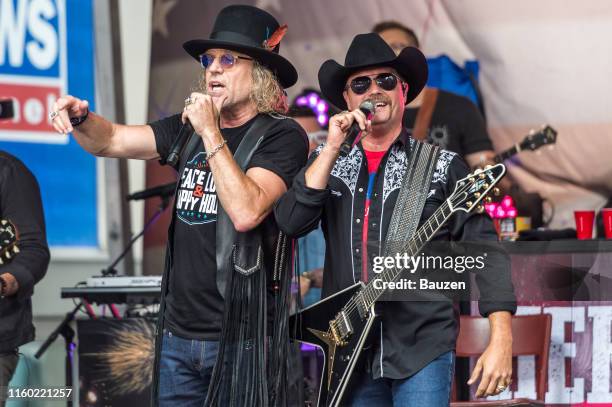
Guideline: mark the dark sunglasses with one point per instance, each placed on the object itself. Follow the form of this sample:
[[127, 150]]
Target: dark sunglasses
[[361, 84], [227, 60]]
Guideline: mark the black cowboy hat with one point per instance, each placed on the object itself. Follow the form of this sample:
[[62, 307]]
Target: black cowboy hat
[[247, 29], [369, 51]]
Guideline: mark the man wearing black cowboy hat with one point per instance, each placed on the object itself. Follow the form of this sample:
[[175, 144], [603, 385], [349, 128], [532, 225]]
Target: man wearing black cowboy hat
[[224, 247], [411, 361]]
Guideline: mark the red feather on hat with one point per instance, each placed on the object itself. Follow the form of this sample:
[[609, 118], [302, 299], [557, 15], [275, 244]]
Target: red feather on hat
[[276, 37]]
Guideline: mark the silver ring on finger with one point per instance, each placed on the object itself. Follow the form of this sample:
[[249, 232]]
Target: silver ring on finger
[[501, 388], [53, 115]]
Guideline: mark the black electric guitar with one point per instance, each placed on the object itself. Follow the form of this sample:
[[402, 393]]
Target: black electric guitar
[[8, 241], [545, 136], [340, 324]]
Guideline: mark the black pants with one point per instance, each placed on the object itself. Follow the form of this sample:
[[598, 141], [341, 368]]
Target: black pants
[[8, 363]]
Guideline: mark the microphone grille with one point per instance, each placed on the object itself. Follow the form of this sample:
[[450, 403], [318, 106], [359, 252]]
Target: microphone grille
[[367, 106]]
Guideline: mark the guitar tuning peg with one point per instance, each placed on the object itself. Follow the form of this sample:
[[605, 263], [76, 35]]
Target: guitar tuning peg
[[480, 209], [471, 179], [485, 185], [4, 222], [1, 261], [489, 199], [482, 175], [468, 204], [477, 194], [16, 249], [8, 255], [496, 191]]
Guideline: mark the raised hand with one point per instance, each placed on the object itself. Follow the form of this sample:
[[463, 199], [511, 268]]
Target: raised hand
[[203, 112], [65, 108], [340, 124]]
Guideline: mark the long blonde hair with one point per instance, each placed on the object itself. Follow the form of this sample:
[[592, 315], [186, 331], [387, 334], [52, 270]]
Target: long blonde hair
[[266, 92]]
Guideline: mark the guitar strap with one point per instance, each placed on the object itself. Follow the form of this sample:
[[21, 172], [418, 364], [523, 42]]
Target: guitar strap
[[423, 118], [412, 195]]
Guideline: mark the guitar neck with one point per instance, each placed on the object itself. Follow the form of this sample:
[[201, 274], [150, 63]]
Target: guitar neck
[[501, 157], [369, 294]]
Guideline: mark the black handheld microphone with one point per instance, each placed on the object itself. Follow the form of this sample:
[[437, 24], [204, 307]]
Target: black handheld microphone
[[179, 144], [6, 109], [367, 107], [162, 191]]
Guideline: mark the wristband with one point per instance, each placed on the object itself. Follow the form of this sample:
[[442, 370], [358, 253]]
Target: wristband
[[77, 121]]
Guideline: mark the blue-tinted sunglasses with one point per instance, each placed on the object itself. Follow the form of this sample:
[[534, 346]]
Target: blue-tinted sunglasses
[[227, 60]]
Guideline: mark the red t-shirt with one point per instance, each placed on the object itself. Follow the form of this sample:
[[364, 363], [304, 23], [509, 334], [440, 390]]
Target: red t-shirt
[[374, 158]]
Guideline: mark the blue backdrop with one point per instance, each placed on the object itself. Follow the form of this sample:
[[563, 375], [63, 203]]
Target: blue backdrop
[[48, 51]]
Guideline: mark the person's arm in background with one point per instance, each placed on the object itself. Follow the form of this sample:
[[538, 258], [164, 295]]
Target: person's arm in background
[[311, 279], [20, 202], [476, 143]]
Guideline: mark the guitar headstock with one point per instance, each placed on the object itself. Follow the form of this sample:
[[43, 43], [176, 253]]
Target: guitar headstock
[[8, 241], [471, 190], [545, 136]]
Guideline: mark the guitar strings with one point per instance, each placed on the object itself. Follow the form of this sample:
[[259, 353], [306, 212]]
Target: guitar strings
[[352, 305]]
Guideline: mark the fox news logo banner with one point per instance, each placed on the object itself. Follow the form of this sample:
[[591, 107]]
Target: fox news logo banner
[[47, 50], [33, 68]]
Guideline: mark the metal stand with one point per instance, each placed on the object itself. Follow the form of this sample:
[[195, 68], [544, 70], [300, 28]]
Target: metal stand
[[67, 332], [110, 270], [64, 329]]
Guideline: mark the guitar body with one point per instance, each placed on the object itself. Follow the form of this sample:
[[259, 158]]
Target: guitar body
[[310, 326]]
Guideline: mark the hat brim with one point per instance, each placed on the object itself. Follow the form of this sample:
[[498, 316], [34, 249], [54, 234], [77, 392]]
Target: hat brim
[[281, 67], [410, 64]]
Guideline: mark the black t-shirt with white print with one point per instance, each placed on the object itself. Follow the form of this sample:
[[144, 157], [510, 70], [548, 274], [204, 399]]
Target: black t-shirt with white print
[[194, 306], [456, 125]]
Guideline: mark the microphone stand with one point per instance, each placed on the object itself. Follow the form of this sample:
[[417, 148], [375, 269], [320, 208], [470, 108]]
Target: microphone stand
[[110, 270], [64, 329]]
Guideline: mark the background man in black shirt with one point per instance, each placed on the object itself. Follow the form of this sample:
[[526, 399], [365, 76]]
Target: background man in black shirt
[[411, 362], [455, 123], [20, 203], [243, 78]]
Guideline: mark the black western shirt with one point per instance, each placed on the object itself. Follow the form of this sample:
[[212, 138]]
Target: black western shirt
[[408, 335]]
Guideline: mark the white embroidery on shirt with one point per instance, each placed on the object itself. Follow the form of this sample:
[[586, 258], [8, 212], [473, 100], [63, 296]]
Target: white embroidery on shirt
[[394, 170], [441, 172], [347, 169]]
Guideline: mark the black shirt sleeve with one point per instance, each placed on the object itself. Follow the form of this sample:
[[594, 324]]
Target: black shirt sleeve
[[20, 203], [284, 150], [494, 281], [165, 131], [474, 132], [299, 210]]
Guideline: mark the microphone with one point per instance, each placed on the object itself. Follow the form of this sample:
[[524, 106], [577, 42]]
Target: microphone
[[179, 144], [6, 109], [163, 191], [367, 107]]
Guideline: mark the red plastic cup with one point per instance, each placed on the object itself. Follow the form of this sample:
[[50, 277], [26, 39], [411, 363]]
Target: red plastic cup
[[606, 214], [584, 224]]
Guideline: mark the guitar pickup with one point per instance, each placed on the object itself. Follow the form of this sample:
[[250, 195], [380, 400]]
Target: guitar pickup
[[345, 328], [362, 307]]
